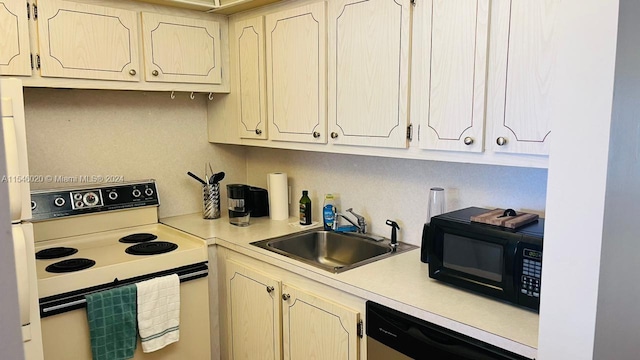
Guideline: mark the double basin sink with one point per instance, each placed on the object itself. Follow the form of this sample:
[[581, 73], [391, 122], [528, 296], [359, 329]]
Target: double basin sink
[[333, 251]]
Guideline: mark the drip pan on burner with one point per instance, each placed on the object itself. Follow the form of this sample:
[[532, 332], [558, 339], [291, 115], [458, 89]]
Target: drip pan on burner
[[137, 238], [55, 252], [151, 248], [70, 265]]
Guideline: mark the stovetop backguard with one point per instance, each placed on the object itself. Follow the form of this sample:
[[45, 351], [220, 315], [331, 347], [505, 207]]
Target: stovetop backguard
[[66, 202]]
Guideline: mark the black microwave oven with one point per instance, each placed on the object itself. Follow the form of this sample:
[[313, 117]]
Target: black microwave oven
[[502, 263]]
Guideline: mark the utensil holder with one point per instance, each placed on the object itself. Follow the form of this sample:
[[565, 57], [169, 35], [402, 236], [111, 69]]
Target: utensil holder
[[211, 201]]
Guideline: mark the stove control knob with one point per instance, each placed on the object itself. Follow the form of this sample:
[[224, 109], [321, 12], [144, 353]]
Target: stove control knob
[[59, 202], [113, 195], [90, 198], [136, 193], [148, 191]]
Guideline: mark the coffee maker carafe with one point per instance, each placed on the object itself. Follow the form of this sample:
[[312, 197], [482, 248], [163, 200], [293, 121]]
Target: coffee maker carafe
[[246, 201]]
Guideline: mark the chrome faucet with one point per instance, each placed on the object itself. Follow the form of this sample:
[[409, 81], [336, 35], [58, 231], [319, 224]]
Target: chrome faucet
[[361, 225]]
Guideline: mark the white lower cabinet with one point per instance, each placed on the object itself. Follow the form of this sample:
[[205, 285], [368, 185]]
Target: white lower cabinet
[[269, 318], [317, 328], [253, 308]]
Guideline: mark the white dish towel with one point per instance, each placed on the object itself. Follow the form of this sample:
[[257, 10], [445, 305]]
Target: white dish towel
[[159, 312]]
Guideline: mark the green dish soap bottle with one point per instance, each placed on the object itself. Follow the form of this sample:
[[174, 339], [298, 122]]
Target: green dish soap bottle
[[305, 208]]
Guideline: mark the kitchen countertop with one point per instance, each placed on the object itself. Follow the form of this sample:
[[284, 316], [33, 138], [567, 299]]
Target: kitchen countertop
[[399, 282]]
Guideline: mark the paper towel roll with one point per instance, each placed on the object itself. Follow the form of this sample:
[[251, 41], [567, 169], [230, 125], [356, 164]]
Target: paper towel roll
[[278, 196]]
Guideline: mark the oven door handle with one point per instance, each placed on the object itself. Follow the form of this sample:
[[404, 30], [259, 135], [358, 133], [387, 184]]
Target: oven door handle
[[77, 299]]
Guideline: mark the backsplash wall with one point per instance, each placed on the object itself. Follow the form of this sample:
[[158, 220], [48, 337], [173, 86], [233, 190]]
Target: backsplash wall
[[397, 189], [140, 135], [129, 134]]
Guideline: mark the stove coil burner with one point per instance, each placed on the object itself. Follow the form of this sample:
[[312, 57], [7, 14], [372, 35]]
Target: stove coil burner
[[70, 265], [55, 252], [137, 238], [151, 248]]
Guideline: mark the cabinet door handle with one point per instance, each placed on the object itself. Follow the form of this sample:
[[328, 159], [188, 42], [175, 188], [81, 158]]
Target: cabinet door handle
[[316, 134], [286, 297], [334, 135], [270, 289], [155, 73], [258, 131], [132, 72], [468, 140], [501, 141]]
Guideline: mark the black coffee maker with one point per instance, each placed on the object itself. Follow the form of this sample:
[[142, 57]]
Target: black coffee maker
[[245, 202]]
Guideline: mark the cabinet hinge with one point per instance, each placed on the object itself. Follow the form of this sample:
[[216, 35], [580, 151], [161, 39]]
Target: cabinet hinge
[[410, 132], [360, 329], [35, 12], [38, 61], [28, 11], [413, 2]]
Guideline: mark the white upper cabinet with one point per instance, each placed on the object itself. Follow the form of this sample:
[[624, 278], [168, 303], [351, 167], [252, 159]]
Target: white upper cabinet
[[250, 67], [15, 57], [368, 72], [178, 49], [451, 63], [86, 41], [521, 74], [296, 74]]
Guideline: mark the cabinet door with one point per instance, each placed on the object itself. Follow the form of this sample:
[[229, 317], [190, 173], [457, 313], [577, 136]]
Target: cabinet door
[[253, 303], [296, 74], [178, 49], [87, 41], [453, 56], [252, 101], [15, 56], [315, 328], [368, 52], [524, 47]]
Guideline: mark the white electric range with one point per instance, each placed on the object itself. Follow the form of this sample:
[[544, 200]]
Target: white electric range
[[93, 238]]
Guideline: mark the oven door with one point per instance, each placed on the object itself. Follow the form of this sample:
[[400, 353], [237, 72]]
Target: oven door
[[65, 328], [481, 260]]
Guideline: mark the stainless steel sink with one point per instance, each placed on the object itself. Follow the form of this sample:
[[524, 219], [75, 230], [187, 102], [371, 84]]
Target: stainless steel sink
[[331, 251]]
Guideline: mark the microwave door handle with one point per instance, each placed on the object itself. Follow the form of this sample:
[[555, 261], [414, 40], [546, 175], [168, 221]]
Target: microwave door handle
[[460, 348]]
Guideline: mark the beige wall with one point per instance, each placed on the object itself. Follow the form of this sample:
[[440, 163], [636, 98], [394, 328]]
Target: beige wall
[[141, 135], [136, 135], [396, 189]]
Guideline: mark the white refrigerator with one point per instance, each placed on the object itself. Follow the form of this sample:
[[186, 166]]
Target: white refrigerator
[[17, 180]]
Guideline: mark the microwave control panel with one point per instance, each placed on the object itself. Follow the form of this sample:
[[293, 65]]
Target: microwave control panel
[[531, 272]]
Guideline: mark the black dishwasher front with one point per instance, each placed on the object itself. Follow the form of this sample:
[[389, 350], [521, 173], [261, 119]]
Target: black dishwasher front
[[397, 335]]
